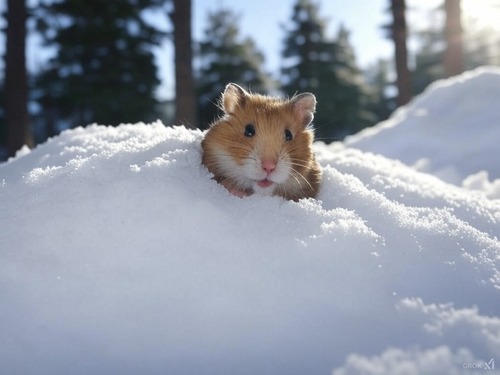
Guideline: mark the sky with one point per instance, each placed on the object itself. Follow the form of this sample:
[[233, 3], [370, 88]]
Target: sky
[[363, 18], [263, 20], [265, 23]]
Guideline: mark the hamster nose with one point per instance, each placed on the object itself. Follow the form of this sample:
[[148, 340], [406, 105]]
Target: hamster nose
[[268, 165]]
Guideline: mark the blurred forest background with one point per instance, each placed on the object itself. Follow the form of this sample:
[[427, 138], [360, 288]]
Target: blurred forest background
[[104, 70]]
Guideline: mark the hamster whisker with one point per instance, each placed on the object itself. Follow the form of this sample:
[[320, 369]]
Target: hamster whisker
[[252, 157], [289, 193], [296, 164], [293, 164], [294, 177], [294, 171]]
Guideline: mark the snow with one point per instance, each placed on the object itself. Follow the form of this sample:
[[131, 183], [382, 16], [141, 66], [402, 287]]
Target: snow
[[446, 131], [120, 255]]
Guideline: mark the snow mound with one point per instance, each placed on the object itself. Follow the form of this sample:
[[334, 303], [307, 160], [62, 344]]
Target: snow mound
[[120, 254], [452, 130]]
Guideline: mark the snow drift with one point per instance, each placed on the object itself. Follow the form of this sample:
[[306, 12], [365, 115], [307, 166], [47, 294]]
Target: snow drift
[[119, 254], [451, 130]]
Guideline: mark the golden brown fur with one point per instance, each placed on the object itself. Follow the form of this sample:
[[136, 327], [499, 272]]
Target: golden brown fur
[[235, 158]]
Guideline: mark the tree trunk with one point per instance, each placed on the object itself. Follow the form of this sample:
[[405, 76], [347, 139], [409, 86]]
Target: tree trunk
[[185, 101], [16, 79], [398, 8], [453, 55]]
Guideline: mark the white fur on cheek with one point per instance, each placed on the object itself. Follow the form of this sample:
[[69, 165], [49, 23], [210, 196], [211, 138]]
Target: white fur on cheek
[[230, 169], [282, 171], [252, 167]]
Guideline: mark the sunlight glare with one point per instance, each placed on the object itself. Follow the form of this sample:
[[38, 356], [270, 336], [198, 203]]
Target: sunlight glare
[[486, 12]]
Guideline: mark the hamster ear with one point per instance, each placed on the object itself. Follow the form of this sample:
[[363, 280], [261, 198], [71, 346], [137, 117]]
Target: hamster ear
[[304, 106], [234, 96]]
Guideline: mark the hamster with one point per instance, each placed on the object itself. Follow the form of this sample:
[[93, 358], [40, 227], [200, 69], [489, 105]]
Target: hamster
[[263, 145]]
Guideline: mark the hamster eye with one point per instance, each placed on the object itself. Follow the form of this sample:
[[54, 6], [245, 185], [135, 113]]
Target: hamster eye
[[249, 130], [288, 135]]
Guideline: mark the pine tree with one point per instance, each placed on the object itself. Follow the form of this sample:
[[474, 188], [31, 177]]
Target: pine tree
[[224, 56], [453, 54], [381, 103], [399, 36], [185, 101], [3, 125], [16, 80], [104, 70], [428, 59], [327, 68], [478, 44], [352, 96]]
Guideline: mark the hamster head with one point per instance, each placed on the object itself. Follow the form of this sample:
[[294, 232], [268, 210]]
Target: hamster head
[[263, 144]]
